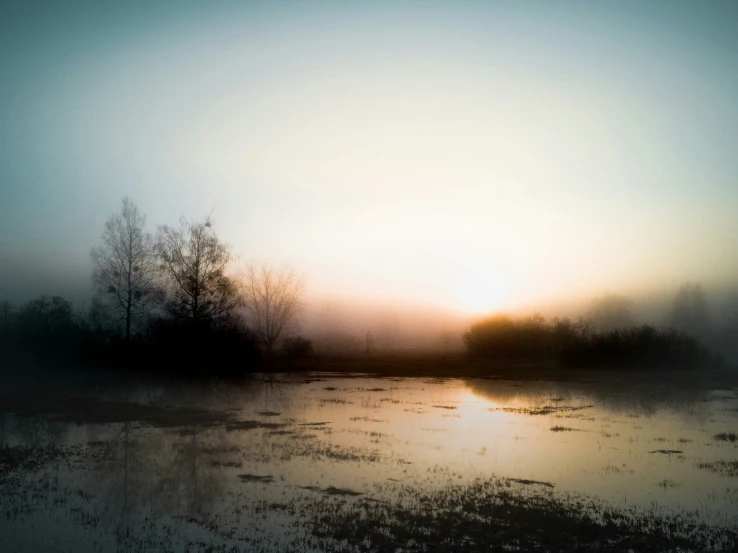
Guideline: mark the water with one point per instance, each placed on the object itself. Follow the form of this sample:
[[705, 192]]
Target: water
[[253, 466]]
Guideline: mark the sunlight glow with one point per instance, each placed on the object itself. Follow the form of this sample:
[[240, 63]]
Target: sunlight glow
[[482, 291], [390, 169]]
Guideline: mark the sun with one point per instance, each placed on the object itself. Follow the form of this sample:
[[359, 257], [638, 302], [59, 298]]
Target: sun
[[481, 291]]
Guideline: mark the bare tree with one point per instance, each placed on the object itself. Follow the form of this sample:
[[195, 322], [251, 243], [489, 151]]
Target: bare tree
[[195, 262], [124, 267], [271, 296]]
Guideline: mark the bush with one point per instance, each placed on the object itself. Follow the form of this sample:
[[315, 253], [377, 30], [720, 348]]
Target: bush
[[638, 346], [296, 347], [572, 344], [503, 337], [225, 347]]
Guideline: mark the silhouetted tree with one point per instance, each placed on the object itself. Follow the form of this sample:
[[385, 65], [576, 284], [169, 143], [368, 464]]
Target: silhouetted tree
[[503, 337], [100, 328], [194, 261], [728, 332], [296, 347], [573, 344], [124, 267], [565, 332], [271, 296], [6, 324], [98, 317], [611, 312], [689, 312], [46, 317], [47, 312], [6, 316], [639, 347]]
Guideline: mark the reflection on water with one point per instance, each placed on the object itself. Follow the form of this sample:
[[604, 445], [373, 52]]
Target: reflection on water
[[245, 466]]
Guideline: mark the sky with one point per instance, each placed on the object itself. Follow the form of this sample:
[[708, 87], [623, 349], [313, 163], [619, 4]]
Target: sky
[[463, 155]]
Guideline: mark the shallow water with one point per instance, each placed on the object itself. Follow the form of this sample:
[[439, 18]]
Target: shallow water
[[248, 466]]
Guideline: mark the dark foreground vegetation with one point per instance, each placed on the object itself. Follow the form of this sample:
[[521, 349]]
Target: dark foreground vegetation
[[47, 331], [500, 514], [492, 514], [170, 302]]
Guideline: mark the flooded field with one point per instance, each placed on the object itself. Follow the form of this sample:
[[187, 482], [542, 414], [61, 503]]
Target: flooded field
[[319, 462]]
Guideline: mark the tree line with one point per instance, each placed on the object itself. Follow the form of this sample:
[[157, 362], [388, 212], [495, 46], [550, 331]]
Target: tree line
[[176, 299], [608, 335], [170, 297]]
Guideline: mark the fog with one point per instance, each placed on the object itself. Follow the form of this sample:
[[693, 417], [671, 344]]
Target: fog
[[310, 275], [346, 326], [421, 166]]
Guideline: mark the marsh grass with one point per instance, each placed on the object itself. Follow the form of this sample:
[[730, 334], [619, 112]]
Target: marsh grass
[[331, 490], [495, 515], [367, 419], [256, 478], [666, 484], [526, 482], [26, 458], [545, 410], [335, 401], [251, 425], [724, 468]]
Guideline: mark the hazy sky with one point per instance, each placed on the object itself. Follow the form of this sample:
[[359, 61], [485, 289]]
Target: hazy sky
[[464, 154]]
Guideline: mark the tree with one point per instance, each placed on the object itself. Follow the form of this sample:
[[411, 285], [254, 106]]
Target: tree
[[98, 321], [503, 337], [124, 267], [565, 332], [611, 312], [730, 315], [194, 261], [296, 347], [6, 315], [46, 315], [689, 312], [6, 322], [271, 296], [728, 332]]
